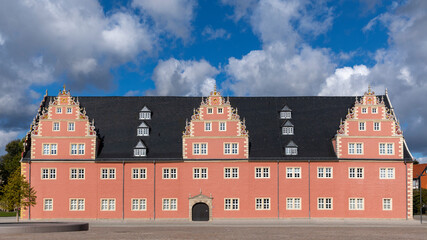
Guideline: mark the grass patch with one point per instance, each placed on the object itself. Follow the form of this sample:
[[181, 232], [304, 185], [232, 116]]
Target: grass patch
[[7, 214]]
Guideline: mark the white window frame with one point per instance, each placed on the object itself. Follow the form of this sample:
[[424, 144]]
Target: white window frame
[[200, 148], [48, 173], [356, 204], [208, 126], [287, 130], [285, 115], [77, 204], [362, 126], [231, 173], [144, 115], [108, 204], [354, 173], [209, 111], [138, 204], [200, 173], [291, 151], [364, 110], [264, 172], [222, 126], [47, 204], [71, 126], [293, 203], [323, 203], [69, 110], [170, 204], [377, 128], [169, 173], [139, 173], [77, 173], [143, 131], [322, 172], [231, 204], [56, 126], [139, 152], [293, 172], [59, 110], [218, 110], [374, 112], [387, 173], [262, 204], [387, 206], [109, 173]]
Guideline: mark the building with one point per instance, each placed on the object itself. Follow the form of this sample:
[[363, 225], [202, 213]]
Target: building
[[418, 170], [216, 157]]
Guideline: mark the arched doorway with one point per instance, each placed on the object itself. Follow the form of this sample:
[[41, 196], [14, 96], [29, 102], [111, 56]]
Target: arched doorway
[[200, 212]]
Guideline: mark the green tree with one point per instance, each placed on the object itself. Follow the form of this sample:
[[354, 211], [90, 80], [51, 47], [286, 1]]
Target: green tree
[[416, 202], [17, 193], [10, 161]]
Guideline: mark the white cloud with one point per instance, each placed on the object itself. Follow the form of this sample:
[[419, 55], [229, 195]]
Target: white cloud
[[242, 8], [174, 16], [2, 40], [346, 81], [212, 34], [285, 65], [132, 93], [183, 78]]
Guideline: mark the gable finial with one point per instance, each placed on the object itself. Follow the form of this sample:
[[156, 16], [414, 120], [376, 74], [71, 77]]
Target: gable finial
[[386, 91], [215, 87], [369, 88]]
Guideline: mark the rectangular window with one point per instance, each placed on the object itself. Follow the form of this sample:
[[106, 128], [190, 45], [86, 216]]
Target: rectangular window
[[108, 204], [200, 148], [208, 126], [351, 148], [355, 172], [387, 204], [53, 149], [48, 173], [227, 148], [81, 149], [48, 204], [73, 149], [293, 203], [219, 110], [231, 172], [77, 173], [324, 172], [50, 149], [390, 149], [361, 126], [287, 130], [139, 173], [262, 172], [170, 204], [200, 173], [59, 110], [143, 131], [46, 149], [356, 204], [144, 115], [69, 110], [386, 173], [382, 148], [359, 148], [234, 148], [262, 203], [71, 126], [170, 173], [108, 173], [55, 126], [291, 151], [324, 203], [196, 149], [377, 126], [140, 152], [210, 110], [139, 204], [285, 115], [293, 172], [364, 110], [374, 110], [77, 204], [231, 204], [222, 126]]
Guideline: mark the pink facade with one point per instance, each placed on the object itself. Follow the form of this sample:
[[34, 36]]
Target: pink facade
[[373, 183]]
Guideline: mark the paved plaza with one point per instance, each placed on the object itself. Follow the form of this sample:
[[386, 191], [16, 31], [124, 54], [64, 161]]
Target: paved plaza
[[243, 229]]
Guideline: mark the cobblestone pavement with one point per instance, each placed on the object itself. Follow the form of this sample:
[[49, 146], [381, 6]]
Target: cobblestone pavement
[[244, 229]]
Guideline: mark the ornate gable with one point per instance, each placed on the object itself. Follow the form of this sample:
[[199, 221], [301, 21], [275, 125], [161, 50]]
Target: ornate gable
[[214, 128], [369, 125]]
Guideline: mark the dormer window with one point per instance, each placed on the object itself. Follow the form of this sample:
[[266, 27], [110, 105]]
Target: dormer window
[[291, 148], [145, 113], [140, 150], [143, 130], [287, 128], [285, 113]]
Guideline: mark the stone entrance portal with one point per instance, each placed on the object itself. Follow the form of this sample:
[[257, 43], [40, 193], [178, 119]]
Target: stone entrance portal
[[200, 208]]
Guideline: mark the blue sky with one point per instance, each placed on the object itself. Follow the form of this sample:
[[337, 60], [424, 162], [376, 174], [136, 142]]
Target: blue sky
[[183, 47]]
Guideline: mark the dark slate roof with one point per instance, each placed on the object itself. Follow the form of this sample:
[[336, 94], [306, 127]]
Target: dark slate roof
[[315, 119]]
